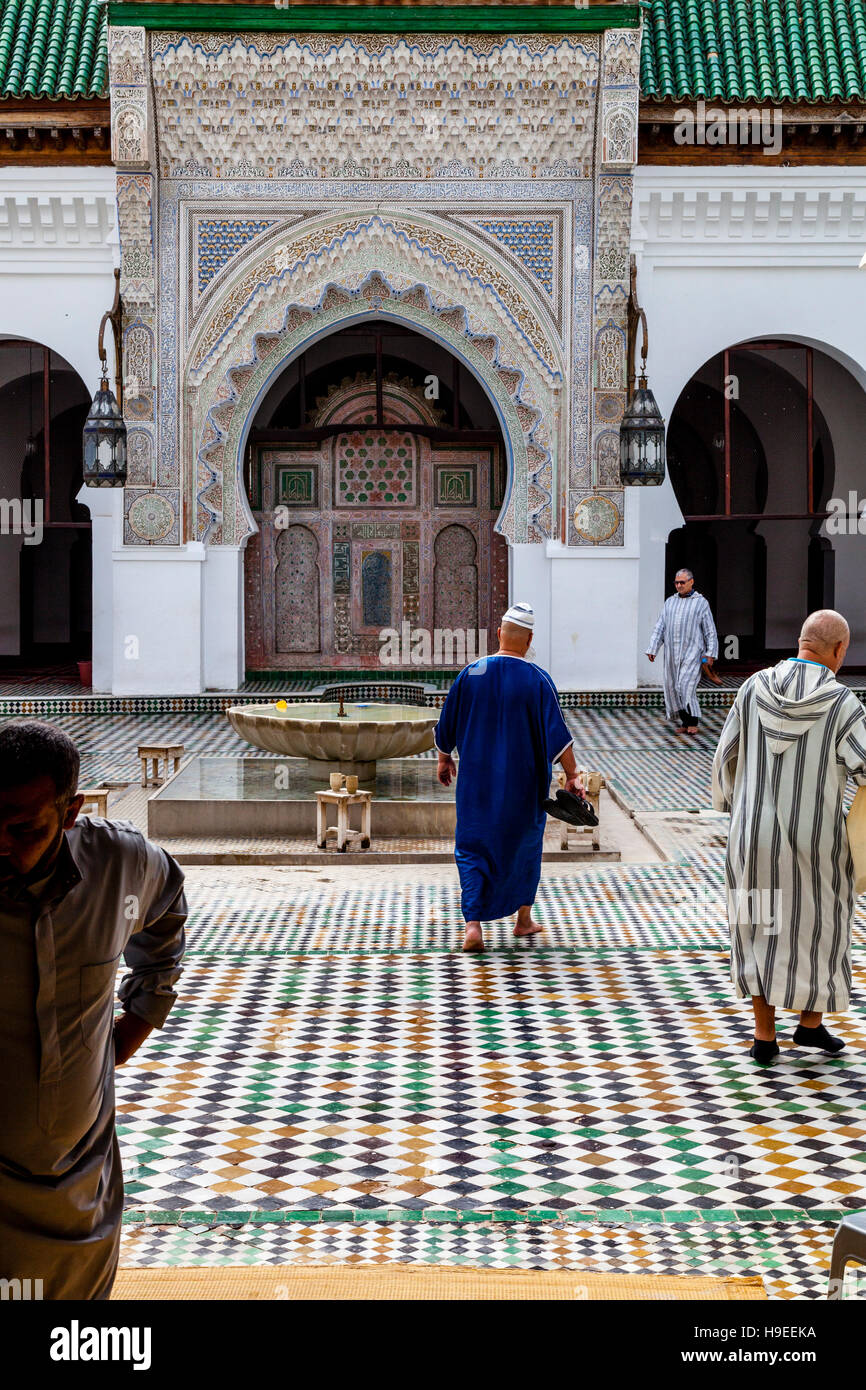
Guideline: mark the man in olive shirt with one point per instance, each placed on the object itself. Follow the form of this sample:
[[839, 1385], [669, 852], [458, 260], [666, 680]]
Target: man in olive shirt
[[75, 895]]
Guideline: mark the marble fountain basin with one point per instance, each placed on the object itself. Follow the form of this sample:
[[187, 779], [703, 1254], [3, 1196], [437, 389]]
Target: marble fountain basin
[[353, 744]]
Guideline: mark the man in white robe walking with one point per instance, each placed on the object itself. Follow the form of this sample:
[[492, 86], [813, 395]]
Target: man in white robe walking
[[688, 632], [791, 740]]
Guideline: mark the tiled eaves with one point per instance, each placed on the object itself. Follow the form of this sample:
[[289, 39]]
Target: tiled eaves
[[754, 50], [53, 49]]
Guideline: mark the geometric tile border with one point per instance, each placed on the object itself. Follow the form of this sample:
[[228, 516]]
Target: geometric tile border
[[791, 1258]]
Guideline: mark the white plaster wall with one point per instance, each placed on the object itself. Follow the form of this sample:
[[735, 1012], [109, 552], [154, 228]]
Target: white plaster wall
[[529, 582], [157, 638], [594, 610], [585, 603], [57, 258], [106, 510], [223, 656], [727, 254]]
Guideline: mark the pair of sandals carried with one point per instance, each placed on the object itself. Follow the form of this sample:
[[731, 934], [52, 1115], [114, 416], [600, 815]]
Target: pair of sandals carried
[[571, 808]]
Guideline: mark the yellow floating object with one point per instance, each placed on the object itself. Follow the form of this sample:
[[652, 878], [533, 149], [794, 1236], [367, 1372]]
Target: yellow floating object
[[282, 704]]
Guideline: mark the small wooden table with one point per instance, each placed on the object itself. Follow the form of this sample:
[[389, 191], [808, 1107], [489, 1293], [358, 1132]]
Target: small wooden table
[[157, 753], [343, 800], [95, 796]]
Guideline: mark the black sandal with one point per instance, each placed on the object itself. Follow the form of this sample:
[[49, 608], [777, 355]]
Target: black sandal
[[571, 808]]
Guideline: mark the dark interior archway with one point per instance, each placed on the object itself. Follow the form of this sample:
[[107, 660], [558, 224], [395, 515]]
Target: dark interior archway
[[45, 537], [752, 462]]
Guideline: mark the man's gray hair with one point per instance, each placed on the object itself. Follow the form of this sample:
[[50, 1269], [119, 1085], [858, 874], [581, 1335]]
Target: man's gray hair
[[686, 572]]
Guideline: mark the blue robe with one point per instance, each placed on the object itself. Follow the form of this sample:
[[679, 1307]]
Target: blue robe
[[502, 715]]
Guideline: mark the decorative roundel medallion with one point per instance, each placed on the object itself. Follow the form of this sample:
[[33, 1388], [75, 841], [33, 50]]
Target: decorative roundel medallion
[[596, 519], [609, 406], [150, 518]]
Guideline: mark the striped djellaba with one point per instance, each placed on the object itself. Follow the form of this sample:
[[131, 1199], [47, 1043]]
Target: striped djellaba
[[790, 742], [686, 628]]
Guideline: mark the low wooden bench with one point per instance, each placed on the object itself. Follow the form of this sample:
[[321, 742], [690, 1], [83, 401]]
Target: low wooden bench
[[157, 753], [343, 801], [94, 797]]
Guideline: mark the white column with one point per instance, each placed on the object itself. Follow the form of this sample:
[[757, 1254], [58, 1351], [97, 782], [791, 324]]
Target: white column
[[594, 611], [659, 514], [157, 647], [105, 506], [223, 620], [529, 582]]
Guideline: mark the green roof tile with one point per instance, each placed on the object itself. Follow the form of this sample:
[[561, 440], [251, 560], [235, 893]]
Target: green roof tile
[[754, 50], [53, 48]]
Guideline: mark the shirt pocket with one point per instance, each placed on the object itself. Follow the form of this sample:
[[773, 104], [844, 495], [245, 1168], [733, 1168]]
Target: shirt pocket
[[97, 1002]]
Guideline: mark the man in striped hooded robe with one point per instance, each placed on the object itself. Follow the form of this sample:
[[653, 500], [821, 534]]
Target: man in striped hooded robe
[[688, 632], [791, 740]]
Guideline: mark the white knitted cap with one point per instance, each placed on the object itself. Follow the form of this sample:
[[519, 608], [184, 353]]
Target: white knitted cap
[[521, 614]]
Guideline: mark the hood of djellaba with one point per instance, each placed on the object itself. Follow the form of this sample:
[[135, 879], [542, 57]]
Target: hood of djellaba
[[790, 698]]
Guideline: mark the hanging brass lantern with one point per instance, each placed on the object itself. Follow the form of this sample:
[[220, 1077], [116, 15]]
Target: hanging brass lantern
[[642, 432], [104, 439], [642, 441], [104, 428]]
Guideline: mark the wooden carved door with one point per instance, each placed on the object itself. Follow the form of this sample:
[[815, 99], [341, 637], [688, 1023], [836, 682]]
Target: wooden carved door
[[370, 530]]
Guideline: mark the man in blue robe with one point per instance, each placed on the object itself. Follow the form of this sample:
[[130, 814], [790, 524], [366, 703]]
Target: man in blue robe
[[502, 715]]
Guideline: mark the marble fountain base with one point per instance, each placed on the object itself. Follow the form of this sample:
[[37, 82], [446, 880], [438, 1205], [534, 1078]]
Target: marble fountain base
[[245, 797]]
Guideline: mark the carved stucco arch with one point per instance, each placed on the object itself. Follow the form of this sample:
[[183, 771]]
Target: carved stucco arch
[[421, 246], [525, 395]]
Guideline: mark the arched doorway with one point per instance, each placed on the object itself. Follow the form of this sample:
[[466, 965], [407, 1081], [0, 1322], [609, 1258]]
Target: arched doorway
[[45, 541], [375, 471], [761, 439]]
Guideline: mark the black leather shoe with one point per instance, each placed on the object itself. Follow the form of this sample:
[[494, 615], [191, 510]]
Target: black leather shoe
[[817, 1037], [764, 1052]]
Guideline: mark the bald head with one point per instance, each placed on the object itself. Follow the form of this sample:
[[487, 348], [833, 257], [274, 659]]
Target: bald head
[[824, 637], [514, 638]]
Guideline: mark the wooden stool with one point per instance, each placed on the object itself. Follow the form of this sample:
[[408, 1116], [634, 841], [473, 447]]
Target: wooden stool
[[157, 753], [95, 796], [343, 800], [593, 783]]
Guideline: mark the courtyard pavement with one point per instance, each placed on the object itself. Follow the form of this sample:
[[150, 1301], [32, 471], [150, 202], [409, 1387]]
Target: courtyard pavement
[[338, 1083]]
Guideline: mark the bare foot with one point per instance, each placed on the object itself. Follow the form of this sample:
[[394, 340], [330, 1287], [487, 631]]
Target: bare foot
[[692, 729], [473, 941], [525, 925]]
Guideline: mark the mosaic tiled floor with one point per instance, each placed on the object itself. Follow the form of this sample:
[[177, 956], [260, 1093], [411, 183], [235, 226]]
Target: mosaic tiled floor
[[659, 907], [605, 908], [679, 835], [613, 1080]]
